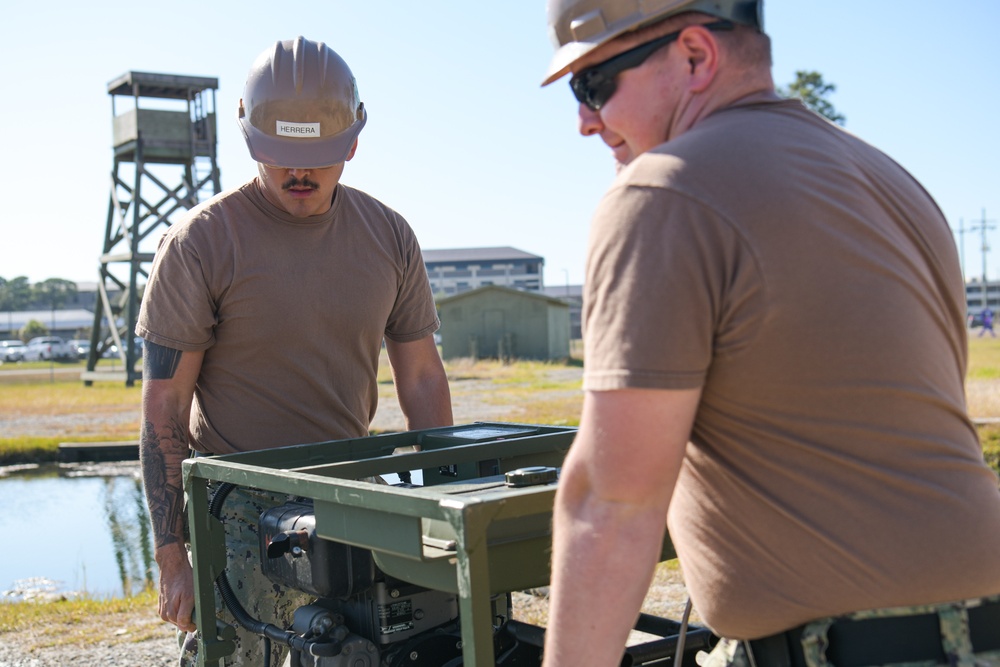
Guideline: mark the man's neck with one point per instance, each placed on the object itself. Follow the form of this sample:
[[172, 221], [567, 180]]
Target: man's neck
[[723, 94]]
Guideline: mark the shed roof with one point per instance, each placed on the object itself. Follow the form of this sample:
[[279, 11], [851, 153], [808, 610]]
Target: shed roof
[[479, 291]]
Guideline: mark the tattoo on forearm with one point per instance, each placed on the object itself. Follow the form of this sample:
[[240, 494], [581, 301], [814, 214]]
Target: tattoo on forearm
[[159, 362], [165, 500]]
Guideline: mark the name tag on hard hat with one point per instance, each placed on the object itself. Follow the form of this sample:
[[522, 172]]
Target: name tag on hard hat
[[288, 129]]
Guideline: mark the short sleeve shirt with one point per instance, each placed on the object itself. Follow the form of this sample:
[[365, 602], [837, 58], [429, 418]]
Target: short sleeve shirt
[[290, 313], [810, 288]]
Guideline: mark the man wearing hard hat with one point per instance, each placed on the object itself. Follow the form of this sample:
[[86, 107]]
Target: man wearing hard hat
[[265, 313], [746, 385]]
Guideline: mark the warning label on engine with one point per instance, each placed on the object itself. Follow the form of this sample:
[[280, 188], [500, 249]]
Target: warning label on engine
[[395, 617]]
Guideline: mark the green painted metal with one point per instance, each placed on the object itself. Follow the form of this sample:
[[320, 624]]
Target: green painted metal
[[464, 531], [209, 541]]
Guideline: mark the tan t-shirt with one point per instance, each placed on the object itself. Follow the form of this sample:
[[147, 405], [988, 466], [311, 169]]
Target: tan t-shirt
[[811, 288], [290, 313]]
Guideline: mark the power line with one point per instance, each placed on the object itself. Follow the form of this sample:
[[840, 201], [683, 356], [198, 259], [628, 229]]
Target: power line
[[982, 226]]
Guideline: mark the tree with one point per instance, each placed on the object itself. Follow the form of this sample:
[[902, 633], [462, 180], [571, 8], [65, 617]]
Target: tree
[[33, 329], [812, 90], [54, 292], [15, 294]]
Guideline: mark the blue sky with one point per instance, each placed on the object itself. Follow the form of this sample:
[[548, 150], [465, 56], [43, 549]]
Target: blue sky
[[461, 139]]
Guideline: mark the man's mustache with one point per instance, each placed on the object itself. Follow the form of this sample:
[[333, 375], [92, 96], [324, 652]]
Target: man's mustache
[[295, 182]]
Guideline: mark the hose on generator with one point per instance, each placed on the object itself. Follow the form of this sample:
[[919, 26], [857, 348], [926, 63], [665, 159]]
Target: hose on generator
[[267, 631]]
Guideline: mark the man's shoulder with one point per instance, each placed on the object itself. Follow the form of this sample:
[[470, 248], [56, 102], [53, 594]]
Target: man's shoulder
[[762, 142], [373, 211], [217, 204], [362, 199], [232, 201]]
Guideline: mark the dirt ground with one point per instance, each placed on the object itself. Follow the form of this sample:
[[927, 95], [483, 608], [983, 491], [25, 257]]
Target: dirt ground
[[139, 638]]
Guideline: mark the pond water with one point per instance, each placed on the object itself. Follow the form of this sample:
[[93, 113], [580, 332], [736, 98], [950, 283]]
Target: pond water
[[74, 528]]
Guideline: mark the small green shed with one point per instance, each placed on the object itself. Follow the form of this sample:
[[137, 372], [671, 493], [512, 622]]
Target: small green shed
[[500, 322]]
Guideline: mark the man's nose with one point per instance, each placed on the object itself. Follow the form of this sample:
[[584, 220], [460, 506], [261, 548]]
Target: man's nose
[[298, 172], [589, 120]]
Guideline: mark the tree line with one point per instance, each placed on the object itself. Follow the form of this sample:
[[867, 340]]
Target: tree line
[[19, 294]]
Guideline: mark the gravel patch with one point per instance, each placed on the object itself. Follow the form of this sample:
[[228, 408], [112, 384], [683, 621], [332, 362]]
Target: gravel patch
[[666, 597], [21, 650], [467, 406]]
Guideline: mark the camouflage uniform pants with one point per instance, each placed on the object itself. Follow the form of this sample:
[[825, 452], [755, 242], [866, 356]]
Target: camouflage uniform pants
[[261, 598], [953, 621]]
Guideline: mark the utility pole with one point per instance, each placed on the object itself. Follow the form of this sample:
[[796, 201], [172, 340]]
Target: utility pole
[[961, 246], [982, 226]]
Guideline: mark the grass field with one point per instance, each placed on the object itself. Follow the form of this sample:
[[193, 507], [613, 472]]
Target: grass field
[[528, 392], [984, 359], [50, 407]]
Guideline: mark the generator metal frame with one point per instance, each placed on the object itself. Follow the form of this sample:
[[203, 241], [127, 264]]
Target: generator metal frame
[[464, 531]]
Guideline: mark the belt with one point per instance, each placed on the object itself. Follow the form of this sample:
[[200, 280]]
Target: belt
[[880, 641]]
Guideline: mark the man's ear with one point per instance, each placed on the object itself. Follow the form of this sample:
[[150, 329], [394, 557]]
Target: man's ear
[[354, 148], [699, 46]]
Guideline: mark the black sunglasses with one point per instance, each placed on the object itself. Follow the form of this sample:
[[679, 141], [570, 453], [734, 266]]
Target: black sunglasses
[[594, 86]]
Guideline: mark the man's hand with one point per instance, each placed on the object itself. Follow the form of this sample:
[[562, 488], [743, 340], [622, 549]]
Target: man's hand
[[176, 586]]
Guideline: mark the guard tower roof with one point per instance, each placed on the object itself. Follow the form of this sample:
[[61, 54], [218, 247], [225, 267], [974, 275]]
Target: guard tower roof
[[171, 86]]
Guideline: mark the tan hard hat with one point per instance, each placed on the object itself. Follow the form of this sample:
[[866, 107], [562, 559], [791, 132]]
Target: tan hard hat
[[577, 27], [300, 106]]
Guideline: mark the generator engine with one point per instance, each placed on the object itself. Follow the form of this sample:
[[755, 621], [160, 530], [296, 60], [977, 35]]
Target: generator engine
[[363, 617]]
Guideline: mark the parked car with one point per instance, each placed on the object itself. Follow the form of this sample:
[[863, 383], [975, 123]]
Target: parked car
[[11, 350], [46, 348], [80, 346], [111, 351]]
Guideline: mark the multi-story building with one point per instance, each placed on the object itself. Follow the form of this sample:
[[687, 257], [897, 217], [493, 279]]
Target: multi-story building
[[456, 270], [573, 296], [979, 295]]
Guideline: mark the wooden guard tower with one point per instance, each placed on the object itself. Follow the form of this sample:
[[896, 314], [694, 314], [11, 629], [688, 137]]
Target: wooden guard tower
[[166, 135]]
